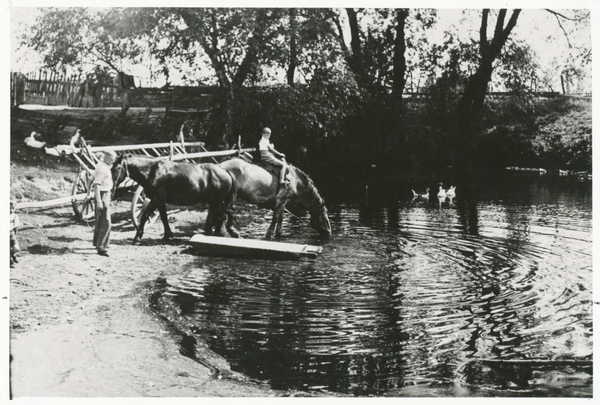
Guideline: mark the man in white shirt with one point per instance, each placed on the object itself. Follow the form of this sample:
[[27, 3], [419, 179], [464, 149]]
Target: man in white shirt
[[102, 185]]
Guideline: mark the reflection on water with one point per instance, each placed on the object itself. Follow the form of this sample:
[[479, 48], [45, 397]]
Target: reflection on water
[[485, 295]]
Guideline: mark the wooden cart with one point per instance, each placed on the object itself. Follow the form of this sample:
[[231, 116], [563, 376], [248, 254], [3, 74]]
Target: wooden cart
[[87, 158]]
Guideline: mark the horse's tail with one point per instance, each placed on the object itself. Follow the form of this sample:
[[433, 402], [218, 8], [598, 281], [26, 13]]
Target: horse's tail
[[227, 207], [232, 191], [222, 196]]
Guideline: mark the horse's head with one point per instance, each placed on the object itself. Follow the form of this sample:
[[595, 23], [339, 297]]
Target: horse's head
[[309, 197], [119, 171], [320, 221]]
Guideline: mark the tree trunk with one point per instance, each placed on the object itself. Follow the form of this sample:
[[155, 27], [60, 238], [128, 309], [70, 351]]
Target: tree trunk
[[473, 96], [221, 129], [355, 58], [293, 47], [255, 44], [205, 21], [399, 61], [399, 81], [471, 102]]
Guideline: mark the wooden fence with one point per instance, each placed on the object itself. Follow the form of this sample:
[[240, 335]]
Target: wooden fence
[[48, 88]]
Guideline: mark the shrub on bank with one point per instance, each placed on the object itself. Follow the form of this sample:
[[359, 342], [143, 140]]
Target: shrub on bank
[[332, 123], [563, 139], [518, 130]]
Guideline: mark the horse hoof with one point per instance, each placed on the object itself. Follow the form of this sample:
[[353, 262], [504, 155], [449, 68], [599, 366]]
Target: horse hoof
[[231, 231], [136, 242]]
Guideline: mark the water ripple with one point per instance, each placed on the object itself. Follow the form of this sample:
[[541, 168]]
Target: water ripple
[[403, 295]]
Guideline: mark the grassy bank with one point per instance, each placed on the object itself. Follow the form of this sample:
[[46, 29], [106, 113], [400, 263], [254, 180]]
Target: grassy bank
[[348, 131]]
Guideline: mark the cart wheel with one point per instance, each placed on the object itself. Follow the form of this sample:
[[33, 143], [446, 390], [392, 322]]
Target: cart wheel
[[83, 209], [138, 203]]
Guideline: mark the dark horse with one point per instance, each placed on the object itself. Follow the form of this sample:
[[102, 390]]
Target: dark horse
[[167, 182], [256, 185]]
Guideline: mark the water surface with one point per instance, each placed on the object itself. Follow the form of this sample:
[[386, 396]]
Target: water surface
[[487, 294]]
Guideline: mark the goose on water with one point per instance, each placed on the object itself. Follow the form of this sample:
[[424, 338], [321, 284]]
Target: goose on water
[[421, 195], [441, 193], [451, 192]]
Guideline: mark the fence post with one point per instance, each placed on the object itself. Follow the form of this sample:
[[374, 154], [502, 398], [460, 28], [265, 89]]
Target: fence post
[[181, 136], [43, 81]]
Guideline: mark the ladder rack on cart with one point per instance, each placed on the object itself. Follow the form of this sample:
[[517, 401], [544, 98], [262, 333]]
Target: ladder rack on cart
[[185, 151]]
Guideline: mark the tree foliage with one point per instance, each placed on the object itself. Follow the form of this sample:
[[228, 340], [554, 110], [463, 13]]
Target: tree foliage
[[348, 70], [83, 38]]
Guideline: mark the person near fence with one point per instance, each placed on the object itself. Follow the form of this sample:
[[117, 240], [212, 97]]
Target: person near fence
[[272, 157], [102, 185], [15, 223]]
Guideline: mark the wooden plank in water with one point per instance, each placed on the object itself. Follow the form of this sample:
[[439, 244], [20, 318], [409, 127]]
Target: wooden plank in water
[[253, 248]]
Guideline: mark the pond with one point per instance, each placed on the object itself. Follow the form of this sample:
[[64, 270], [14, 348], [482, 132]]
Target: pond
[[489, 294]]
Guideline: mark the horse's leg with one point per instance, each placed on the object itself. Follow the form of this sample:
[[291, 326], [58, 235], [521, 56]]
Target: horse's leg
[[269, 234], [209, 220], [232, 231], [220, 226], [277, 217], [279, 227], [148, 210], [162, 209], [225, 228], [227, 211], [218, 218]]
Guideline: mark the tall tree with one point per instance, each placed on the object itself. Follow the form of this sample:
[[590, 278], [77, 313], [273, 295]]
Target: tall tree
[[313, 49], [92, 40], [293, 34], [399, 80], [234, 40], [379, 41], [355, 58], [354, 55], [304, 48], [473, 96]]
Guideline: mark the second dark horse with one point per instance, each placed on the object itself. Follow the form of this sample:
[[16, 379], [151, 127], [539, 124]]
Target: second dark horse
[[167, 182]]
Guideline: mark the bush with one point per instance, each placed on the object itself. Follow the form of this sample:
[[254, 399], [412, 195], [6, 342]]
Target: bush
[[332, 122], [563, 137], [302, 117]]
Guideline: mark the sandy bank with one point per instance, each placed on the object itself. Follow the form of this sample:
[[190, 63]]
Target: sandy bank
[[80, 324]]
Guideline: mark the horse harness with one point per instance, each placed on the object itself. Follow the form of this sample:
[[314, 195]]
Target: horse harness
[[122, 166]]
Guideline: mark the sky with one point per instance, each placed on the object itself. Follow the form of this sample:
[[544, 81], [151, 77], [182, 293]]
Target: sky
[[534, 26]]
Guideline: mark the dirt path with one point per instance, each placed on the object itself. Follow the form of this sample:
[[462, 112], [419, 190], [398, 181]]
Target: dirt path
[[80, 323]]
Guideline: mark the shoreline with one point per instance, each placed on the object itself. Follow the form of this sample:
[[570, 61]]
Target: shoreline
[[80, 323]]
